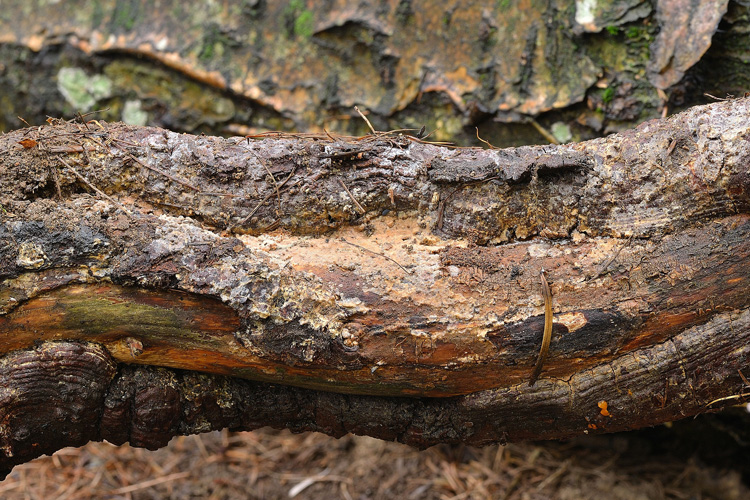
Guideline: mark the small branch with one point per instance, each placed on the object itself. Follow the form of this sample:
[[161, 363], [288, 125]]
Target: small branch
[[360, 208], [153, 169], [614, 257], [551, 138], [372, 129], [97, 190], [482, 140], [273, 178], [263, 201]]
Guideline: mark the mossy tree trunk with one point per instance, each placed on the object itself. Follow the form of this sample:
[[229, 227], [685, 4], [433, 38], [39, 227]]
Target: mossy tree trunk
[[580, 69]]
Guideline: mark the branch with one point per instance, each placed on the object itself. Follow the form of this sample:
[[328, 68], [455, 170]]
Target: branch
[[418, 320]]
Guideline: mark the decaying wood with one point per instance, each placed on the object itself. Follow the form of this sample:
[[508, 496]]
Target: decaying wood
[[375, 285]]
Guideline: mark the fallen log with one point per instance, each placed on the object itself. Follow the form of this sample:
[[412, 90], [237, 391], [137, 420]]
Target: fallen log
[[156, 284]]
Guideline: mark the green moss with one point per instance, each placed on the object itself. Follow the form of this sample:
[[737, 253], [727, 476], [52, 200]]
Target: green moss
[[613, 30], [207, 52], [294, 6], [251, 8], [404, 12], [298, 19], [97, 14], [201, 107], [140, 79], [503, 4], [608, 52], [608, 95], [303, 25], [215, 43], [125, 15], [188, 100], [639, 35], [96, 317]]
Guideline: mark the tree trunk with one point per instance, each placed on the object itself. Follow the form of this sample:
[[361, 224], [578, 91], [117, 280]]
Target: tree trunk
[[156, 284], [580, 69]]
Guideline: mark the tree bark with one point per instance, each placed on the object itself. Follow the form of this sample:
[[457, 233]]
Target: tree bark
[[156, 284], [579, 69]]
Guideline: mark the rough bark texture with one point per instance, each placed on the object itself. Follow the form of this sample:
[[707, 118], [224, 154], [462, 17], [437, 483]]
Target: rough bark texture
[[687, 29], [365, 270], [579, 68]]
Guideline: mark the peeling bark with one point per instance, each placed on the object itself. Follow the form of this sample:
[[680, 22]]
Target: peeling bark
[[375, 285], [685, 35], [305, 60]]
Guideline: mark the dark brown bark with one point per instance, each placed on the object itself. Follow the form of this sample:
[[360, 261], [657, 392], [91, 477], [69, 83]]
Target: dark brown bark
[[361, 271]]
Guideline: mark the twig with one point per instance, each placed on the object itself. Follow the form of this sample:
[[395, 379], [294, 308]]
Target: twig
[[150, 483], [272, 226], [376, 253], [153, 169], [262, 202], [365, 119], [57, 183], [705, 94], [243, 221], [439, 143], [80, 116], [301, 486], [727, 398], [217, 193], [260, 160], [551, 138], [97, 190], [735, 396], [444, 201], [360, 208], [425, 137], [168, 176], [488, 144], [346, 154], [547, 335], [441, 214], [617, 253], [114, 139], [65, 149]]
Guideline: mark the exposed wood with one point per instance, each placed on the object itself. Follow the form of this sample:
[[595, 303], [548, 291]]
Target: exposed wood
[[433, 292]]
